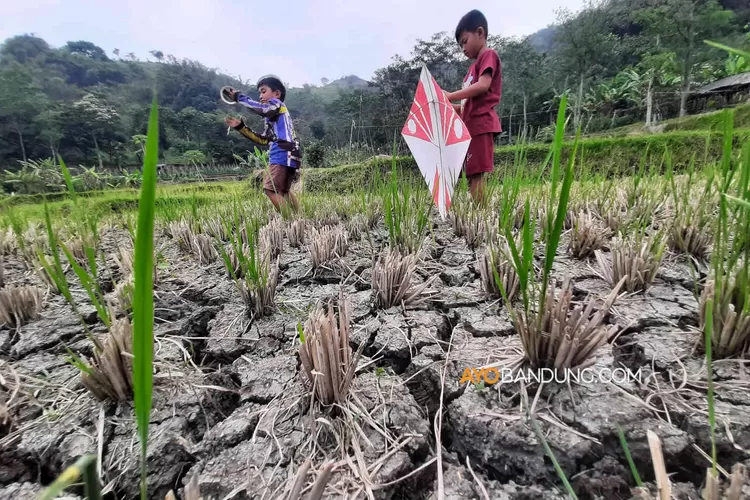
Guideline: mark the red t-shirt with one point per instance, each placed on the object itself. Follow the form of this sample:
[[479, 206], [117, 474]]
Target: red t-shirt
[[479, 112]]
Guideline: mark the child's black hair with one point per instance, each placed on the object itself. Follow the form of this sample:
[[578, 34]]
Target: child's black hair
[[471, 22], [273, 83]]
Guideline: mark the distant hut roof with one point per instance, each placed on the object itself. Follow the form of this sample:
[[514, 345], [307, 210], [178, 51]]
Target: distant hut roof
[[724, 84]]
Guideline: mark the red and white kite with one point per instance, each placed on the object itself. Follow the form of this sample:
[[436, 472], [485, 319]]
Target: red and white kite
[[438, 140]]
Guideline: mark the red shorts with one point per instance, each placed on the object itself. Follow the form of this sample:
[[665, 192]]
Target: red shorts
[[481, 155]]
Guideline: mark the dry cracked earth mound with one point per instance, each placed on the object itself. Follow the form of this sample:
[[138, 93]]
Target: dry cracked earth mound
[[229, 405]]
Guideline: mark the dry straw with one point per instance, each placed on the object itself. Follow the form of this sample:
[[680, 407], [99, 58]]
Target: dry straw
[[295, 232], [565, 338], [110, 375], [392, 278], [494, 261], [199, 246], [327, 243], [635, 258], [327, 360], [587, 236], [20, 304]]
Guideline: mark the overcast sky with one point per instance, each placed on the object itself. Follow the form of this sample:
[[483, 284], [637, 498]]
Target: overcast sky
[[303, 41]]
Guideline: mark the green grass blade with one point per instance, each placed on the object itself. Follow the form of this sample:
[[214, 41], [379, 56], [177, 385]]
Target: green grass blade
[[517, 262], [738, 201], [143, 298], [527, 252], [522, 260], [91, 487], [558, 469], [557, 144], [85, 466], [55, 269], [68, 181], [726, 157], [90, 285], [562, 210], [709, 375], [629, 458], [15, 225], [227, 262], [721, 255], [52, 272], [555, 229], [91, 259], [547, 159], [79, 363]]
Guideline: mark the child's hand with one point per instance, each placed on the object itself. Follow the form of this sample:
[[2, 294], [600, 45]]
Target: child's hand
[[232, 93], [448, 95], [232, 122]]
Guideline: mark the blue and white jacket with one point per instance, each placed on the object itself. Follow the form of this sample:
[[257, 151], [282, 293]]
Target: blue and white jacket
[[279, 131]]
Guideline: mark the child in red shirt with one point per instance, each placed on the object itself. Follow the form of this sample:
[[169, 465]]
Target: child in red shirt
[[479, 95]]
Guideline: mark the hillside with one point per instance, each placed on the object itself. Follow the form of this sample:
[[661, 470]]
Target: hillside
[[709, 121], [91, 107], [350, 82], [543, 40]]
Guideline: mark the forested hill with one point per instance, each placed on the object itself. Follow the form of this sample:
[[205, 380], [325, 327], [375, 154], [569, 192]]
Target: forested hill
[[78, 100], [91, 106]]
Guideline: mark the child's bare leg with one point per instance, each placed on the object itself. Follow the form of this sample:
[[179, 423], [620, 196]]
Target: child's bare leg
[[294, 202], [275, 198], [476, 187], [275, 179]]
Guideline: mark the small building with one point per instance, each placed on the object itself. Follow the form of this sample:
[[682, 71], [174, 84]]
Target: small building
[[728, 91]]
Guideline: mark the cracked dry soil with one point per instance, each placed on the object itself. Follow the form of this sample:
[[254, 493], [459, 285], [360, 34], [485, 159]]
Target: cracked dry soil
[[229, 405]]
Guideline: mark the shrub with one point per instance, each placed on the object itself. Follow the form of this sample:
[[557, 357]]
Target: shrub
[[315, 155]]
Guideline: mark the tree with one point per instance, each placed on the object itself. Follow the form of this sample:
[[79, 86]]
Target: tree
[[615, 95], [443, 57], [396, 82], [584, 47], [43, 176], [660, 71], [87, 49], [100, 118], [690, 22], [318, 129], [194, 157], [139, 142], [189, 123], [735, 64], [50, 128], [325, 81], [20, 100], [158, 54], [138, 119], [523, 68], [23, 48]]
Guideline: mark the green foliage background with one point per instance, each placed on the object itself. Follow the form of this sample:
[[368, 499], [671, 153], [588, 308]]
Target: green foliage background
[[92, 107]]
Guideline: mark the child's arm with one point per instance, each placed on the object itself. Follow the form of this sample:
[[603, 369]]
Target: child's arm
[[239, 126], [479, 88], [267, 110]]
